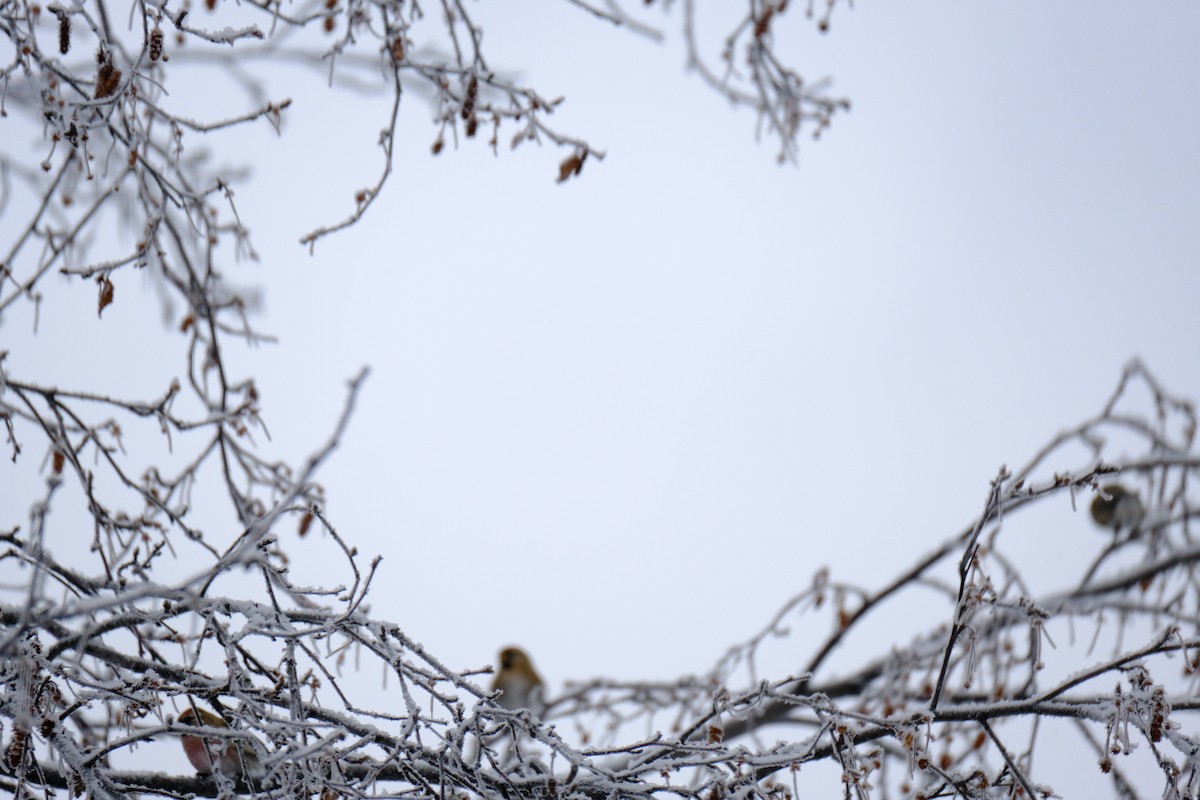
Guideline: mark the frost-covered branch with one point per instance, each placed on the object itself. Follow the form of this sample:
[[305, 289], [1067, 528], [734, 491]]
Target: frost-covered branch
[[114, 663], [179, 620]]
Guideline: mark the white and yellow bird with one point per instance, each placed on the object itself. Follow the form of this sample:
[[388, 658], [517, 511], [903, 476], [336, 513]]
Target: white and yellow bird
[[519, 684]]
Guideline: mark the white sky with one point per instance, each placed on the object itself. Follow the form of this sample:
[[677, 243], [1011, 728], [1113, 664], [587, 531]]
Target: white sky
[[619, 421], [590, 401]]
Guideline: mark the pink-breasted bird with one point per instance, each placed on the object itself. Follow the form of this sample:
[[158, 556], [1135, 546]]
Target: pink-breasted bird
[[233, 758], [519, 682]]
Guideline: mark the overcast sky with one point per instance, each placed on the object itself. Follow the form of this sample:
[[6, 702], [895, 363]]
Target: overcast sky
[[644, 406], [635, 412]]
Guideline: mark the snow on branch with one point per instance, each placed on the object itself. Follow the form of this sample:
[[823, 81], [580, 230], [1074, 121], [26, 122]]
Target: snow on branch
[[114, 664], [114, 151], [180, 623]]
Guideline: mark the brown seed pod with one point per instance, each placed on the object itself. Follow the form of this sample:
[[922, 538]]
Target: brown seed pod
[[468, 109], [108, 77], [64, 33], [106, 293], [16, 749], [571, 166]]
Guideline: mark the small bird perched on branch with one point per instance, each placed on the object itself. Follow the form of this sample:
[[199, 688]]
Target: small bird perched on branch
[[234, 759], [1118, 508], [519, 683]]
